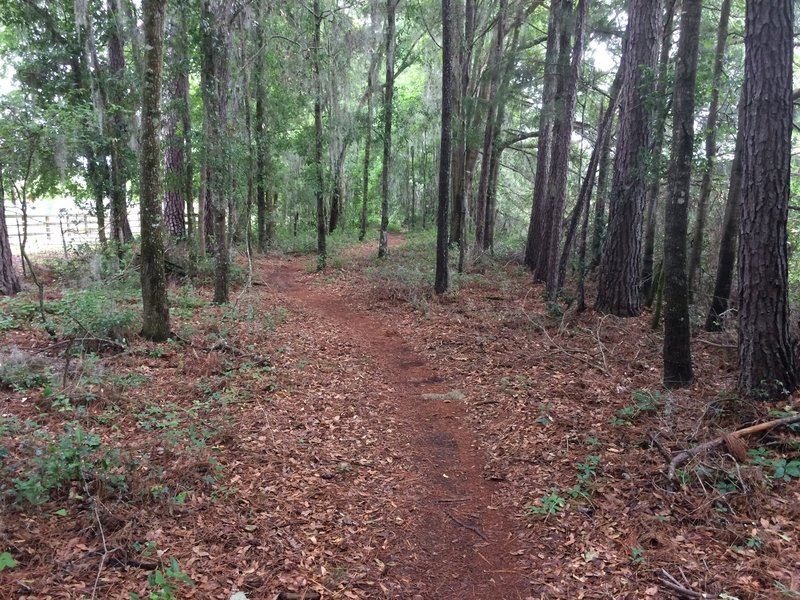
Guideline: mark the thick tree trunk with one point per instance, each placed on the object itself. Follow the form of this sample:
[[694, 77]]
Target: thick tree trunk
[[121, 231], [711, 147], [767, 354], [677, 333], [388, 97], [620, 267], [155, 310], [445, 151], [661, 112], [730, 231], [547, 117], [174, 165]]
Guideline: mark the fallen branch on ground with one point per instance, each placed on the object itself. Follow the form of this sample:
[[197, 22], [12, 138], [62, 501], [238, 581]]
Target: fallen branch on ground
[[225, 347], [682, 457], [676, 588]]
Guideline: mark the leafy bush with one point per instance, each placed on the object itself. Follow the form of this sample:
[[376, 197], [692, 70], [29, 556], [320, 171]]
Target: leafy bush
[[49, 465], [22, 370], [102, 313]]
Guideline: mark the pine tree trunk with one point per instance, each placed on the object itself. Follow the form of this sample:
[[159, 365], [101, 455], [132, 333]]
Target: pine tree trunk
[[661, 113], [730, 230], [495, 77], [620, 267], [155, 310], [174, 165], [599, 218], [547, 116], [711, 147], [261, 141], [767, 353], [677, 330], [9, 282], [445, 151], [116, 126], [322, 252], [388, 98], [557, 180]]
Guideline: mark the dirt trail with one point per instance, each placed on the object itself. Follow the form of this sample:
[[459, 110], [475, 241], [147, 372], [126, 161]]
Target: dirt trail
[[458, 542]]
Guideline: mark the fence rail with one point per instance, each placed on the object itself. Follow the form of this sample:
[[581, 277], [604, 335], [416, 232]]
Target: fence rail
[[56, 231]]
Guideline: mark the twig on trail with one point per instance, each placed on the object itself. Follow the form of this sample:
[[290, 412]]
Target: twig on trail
[[450, 500], [670, 582], [682, 457], [472, 528]]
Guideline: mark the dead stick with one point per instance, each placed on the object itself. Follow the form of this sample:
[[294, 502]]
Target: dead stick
[[670, 582], [686, 455], [472, 528]]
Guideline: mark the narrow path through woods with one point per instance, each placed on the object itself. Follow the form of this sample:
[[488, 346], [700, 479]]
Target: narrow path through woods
[[458, 542]]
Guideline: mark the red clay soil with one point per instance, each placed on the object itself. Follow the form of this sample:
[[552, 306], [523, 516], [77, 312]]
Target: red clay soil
[[458, 542]]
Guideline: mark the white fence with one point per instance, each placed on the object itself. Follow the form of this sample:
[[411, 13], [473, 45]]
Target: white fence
[[51, 231]]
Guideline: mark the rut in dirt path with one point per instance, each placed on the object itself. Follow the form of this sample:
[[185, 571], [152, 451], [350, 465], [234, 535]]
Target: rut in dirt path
[[457, 542]]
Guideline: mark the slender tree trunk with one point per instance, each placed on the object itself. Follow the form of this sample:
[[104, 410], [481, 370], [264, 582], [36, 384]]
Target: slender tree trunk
[[155, 312], [599, 218], [322, 252], [261, 141], [186, 126], [367, 157], [495, 78], [767, 354], [620, 267], [730, 230], [711, 147], [9, 282], [677, 332], [657, 147], [445, 151], [388, 96]]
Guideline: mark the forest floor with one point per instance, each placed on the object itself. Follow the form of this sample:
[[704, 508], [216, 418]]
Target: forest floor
[[344, 434]]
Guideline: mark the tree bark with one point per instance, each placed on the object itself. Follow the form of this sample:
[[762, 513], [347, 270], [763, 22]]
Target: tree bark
[[548, 263], [9, 282], [711, 147], [730, 229], [677, 334], [155, 312], [767, 353], [322, 252], [442, 280], [174, 165], [620, 267], [117, 129], [495, 77], [547, 116], [661, 112], [367, 156], [261, 141], [388, 97]]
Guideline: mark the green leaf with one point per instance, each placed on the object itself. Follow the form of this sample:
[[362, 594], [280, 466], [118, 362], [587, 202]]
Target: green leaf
[[61, 512], [7, 561]]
